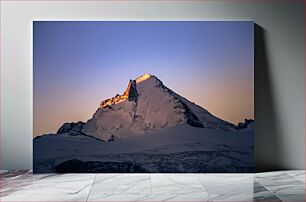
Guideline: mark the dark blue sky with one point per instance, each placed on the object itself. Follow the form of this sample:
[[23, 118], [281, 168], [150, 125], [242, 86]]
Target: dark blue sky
[[78, 64]]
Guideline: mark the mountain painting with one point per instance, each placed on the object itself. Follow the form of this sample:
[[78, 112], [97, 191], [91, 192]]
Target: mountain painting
[[143, 97]]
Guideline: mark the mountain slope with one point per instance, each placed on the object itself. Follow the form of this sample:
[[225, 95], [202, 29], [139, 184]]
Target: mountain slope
[[180, 148]]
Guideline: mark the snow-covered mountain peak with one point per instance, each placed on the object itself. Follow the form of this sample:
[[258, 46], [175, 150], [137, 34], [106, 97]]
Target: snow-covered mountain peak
[[146, 105]]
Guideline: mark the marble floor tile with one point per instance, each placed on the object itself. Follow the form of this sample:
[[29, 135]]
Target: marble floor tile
[[298, 175], [281, 183], [223, 184], [272, 173], [285, 186], [295, 189], [176, 184], [230, 198], [261, 193], [14, 180], [245, 198], [260, 190], [111, 184], [43, 198], [277, 175], [265, 198], [47, 184], [15, 174], [150, 198], [291, 197]]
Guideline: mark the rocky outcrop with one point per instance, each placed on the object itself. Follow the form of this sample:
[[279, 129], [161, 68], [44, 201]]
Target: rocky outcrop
[[131, 91], [68, 127], [129, 94], [246, 123]]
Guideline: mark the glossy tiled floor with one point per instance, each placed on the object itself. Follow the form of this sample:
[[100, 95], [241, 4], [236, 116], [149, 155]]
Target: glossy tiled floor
[[272, 186]]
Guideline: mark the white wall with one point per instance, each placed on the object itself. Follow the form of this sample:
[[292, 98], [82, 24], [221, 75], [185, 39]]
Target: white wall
[[279, 73]]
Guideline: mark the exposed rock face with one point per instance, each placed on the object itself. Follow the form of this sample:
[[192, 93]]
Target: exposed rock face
[[131, 91], [129, 94], [68, 127]]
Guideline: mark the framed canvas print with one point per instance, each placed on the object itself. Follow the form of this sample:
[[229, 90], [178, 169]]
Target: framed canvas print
[[143, 96]]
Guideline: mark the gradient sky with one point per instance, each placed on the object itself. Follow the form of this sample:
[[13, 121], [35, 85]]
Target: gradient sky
[[78, 64]]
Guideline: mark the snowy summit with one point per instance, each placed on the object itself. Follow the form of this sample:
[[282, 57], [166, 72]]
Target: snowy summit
[[147, 104]]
